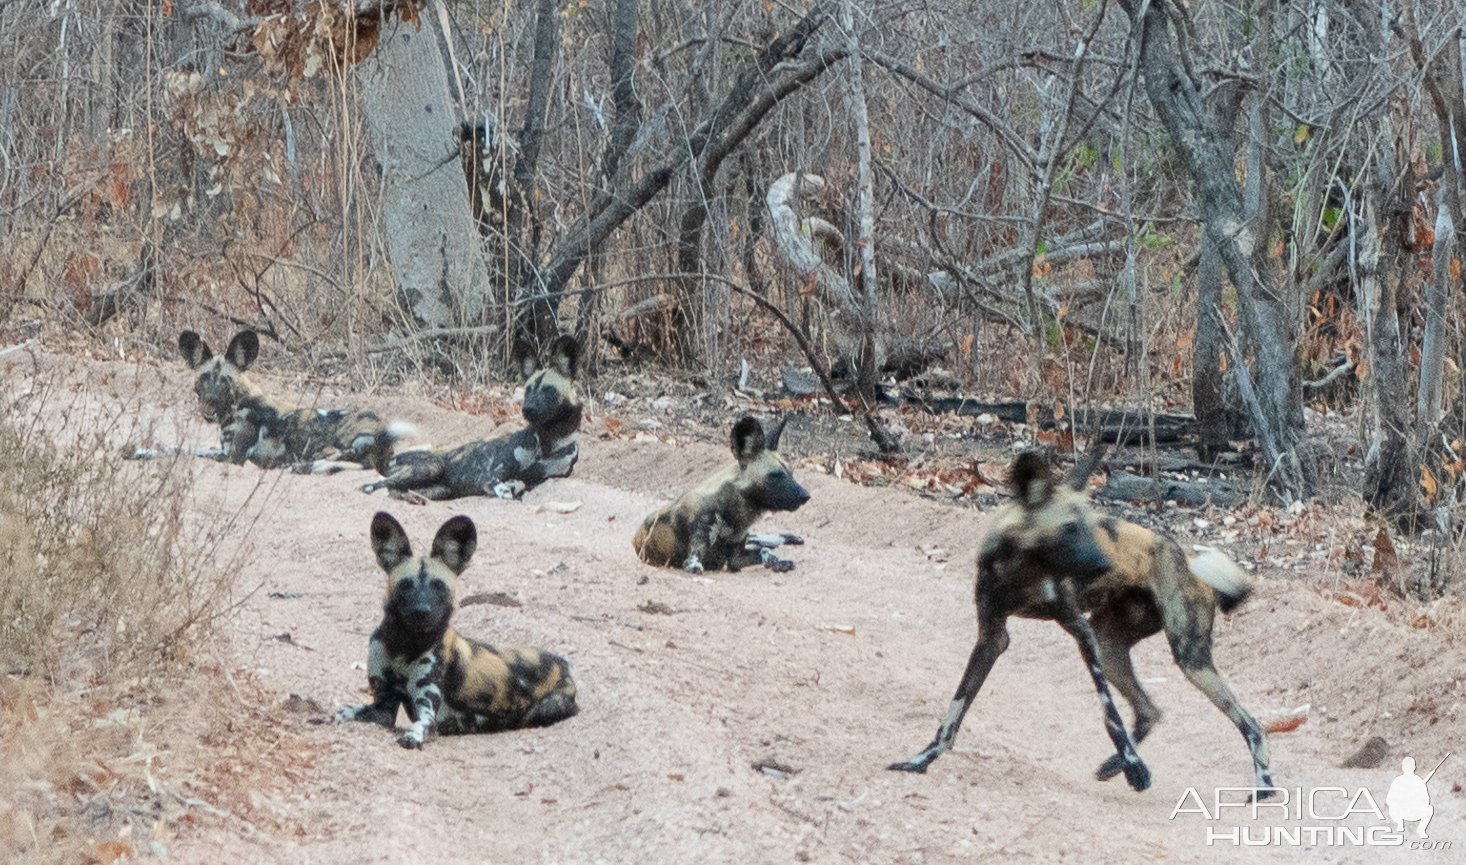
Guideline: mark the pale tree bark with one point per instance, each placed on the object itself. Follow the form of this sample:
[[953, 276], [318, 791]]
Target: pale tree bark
[[1266, 316], [865, 246], [439, 265]]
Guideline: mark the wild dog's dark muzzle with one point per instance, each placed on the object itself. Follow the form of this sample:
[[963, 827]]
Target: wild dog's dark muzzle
[[1078, 555], [545, 405], [782, 494]]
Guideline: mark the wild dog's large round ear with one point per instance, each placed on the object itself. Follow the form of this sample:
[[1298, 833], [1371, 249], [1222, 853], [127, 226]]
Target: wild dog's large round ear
[[243, 349], [1031, 478], [748, 438], [389, 541], [522, 358], [771, 437], [195, 351], [455, 543], [565, 355]]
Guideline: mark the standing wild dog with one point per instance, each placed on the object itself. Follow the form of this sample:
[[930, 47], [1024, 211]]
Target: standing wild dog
[[255, 428], [510, 465], [448, 683], [707, 526], [1051, 556]]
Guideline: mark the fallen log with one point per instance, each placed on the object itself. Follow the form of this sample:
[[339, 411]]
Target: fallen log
[[1126, 487]]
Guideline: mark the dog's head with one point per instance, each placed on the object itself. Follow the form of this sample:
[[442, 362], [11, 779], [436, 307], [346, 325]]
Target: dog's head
[[764, 478], [221, 382], [1051, 525], [420, 589], [551, 401]]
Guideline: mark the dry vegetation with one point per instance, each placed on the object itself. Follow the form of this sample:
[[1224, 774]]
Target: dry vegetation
[[119, 715]]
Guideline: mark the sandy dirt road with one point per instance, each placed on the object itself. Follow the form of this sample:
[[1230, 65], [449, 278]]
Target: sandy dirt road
[[676, 707]]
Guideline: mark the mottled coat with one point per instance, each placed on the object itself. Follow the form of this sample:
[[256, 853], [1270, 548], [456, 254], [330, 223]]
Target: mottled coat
[[1051, 555], [510, 465], [446, 682], [707, 526], [270, 433]]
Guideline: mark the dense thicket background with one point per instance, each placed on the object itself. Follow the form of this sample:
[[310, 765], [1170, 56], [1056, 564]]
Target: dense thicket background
[[1252, 207]]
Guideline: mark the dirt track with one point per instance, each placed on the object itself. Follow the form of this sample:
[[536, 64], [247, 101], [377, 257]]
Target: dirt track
[[675, 708]]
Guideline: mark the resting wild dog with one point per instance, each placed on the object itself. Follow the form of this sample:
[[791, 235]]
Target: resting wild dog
[[255, 428], [448, 683], [707, 526], [510, 465], [1051, 556]]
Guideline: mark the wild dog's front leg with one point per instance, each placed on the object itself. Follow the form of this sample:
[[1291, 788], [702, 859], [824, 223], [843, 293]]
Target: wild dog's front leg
[[386, 694], [759, 549], [424, 699], [1072, 619]]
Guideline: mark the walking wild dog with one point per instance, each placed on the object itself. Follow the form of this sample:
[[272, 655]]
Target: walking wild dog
[[1049, 555], [448, 683], [510, 465], [707, 526], [255, 428]]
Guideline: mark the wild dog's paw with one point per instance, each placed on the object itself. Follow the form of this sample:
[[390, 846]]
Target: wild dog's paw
[[139, 453], [412, 740], [693, 565], [908, 766], [372, 487], [509, 490], [348, 713], [793, 540], [408, 497], [774, 563], [305, 467], [1138, 775]]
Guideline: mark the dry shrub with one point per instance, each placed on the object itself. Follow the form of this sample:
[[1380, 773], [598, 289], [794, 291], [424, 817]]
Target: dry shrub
[[106, 598]]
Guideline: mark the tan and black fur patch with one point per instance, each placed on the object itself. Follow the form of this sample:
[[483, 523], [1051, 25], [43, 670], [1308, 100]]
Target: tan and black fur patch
[[510, 465], [1051, 555], [446, 682], [257, 429], [707, 526]]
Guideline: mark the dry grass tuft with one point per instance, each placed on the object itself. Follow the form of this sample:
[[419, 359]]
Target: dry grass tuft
[[109, 696]]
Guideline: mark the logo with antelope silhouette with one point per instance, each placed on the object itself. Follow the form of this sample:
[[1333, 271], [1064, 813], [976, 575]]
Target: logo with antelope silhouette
[[1325, 816]]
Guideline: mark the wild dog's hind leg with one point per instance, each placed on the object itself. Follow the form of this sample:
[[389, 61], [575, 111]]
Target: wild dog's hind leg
[[992, 640], [774, 539], [1071, 618], [413, 470], [1188, 627]]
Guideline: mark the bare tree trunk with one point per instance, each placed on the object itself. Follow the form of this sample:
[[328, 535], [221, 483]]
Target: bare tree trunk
[[865, 246], [1428, 400], [432, 243], [1389, 483], [1212, 421], [1210, 162]]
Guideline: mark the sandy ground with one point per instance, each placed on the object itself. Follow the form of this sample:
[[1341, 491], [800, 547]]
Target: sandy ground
[[657, 767]]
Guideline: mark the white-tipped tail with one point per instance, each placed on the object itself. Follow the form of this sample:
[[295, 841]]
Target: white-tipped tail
[[1213, 567], [400, 429]]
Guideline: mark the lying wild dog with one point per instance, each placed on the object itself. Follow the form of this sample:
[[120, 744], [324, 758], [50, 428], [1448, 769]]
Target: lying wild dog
[[707, 526], [258, 429], [448, 683], [510, 465], [1049, 555]]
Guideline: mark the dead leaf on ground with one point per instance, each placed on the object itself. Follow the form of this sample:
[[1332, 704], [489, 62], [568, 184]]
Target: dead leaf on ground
[[656, 608], [839, 629], [1289, 720], [559, 507], [498, 599]]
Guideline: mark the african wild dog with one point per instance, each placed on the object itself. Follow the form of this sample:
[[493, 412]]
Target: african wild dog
[[707, 526], [510, 465], [255, 428], [1050, 555], [448, 683]]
